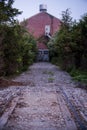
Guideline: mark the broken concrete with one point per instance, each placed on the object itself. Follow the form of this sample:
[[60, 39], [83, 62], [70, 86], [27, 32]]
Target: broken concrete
[[45, 103]]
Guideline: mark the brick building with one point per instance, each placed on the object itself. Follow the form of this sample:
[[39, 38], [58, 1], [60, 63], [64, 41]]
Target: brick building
[[42, 25]]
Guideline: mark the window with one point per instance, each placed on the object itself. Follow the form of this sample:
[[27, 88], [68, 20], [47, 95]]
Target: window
[[47, 29]]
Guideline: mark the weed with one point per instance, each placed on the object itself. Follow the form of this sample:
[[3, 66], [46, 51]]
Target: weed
[[50, 80], [79, 75], [48, 72]]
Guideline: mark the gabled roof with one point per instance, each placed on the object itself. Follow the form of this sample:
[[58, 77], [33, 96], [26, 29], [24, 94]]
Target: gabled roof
[[41, 46], [36, 24], [43, 13]]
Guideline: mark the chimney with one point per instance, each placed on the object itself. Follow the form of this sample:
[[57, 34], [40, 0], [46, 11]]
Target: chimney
[[43, 8]]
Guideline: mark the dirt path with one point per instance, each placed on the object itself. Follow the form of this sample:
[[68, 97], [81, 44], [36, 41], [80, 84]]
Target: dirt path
[[49, 100]]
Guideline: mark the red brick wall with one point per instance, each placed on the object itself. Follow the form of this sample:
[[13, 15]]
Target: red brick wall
[[36, 24]]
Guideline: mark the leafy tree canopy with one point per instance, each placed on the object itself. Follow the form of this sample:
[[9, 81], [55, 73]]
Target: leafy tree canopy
[[7, 12], [66, 18], [70, 43]]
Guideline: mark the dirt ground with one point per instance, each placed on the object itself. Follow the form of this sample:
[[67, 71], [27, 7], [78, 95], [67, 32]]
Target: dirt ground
[[42, 98]]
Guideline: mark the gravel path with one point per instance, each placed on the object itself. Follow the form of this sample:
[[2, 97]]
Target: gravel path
[[49, 100]]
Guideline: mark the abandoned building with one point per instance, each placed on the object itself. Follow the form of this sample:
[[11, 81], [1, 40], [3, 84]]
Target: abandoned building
[[42, 26]]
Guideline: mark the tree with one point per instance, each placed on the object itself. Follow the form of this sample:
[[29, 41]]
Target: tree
[[79, 34], [28, 50], [17, 46], [70, 43], [62, 39], [66, 19], [7, 12]]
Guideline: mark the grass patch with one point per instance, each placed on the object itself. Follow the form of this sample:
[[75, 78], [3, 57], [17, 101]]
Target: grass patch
[[79, 75], [48, 72], [50, 80]]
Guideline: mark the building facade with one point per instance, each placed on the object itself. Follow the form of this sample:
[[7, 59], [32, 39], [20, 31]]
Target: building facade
[[42, 24], [43, 52]]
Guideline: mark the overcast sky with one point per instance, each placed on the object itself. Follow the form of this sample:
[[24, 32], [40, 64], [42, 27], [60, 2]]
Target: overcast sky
[[54, 7]]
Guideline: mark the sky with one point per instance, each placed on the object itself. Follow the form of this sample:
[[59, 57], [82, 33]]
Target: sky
[[54, 7]]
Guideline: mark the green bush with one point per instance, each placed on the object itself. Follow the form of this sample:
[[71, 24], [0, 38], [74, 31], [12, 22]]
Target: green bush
[[79, 75], [19, 49]]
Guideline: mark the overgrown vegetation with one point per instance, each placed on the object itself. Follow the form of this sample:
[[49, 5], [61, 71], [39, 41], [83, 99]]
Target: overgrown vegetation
[[17, 46], [79, 75], [68, 47]]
